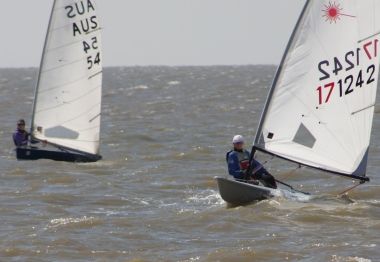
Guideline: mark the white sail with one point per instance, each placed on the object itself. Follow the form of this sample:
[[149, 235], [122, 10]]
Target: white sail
[[320, 108], [67, 104]]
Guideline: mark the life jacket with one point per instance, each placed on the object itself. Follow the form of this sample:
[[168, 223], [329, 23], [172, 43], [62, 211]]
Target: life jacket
[[243, 158]]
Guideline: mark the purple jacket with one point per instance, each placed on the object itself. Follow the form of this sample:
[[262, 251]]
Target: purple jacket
[[20, 138]]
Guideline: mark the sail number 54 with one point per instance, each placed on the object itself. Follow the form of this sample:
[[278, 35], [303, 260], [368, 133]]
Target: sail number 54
[[90, 62], [94, 45]]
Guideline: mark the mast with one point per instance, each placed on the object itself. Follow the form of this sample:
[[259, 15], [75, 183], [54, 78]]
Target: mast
[[39, 74], [277, 76], [272, 90]]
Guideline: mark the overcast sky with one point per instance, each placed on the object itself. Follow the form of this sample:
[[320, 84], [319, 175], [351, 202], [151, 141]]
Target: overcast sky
[[161, 32]]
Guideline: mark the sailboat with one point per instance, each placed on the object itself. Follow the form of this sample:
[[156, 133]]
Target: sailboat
[[67, 102], [320, 106]]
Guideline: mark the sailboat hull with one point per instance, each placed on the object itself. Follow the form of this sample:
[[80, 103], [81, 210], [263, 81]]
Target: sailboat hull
[[35, 154], [238, 193]]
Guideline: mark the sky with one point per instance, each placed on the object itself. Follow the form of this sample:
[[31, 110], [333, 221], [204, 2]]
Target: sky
[[161, 32]]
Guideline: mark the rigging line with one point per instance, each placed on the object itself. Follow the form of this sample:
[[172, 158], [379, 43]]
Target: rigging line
[[361, 182], [291, 172], [306, 193], [260, 166]]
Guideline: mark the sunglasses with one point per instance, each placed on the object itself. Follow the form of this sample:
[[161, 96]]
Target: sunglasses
[[21, 124]]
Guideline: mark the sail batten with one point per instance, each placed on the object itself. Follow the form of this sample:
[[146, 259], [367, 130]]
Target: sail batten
[[87, 33], [320, 106], [362, 109], [88, 77], [76, 98], [95, 75], [378, 33]]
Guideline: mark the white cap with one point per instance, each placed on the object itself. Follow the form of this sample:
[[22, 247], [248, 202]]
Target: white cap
[[237, 139]]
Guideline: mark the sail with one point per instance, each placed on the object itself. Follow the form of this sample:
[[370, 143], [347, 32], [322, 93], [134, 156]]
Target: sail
[[67, 103], [320, 107]]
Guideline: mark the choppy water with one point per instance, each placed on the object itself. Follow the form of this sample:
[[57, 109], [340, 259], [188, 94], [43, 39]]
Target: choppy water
[[165, 132]]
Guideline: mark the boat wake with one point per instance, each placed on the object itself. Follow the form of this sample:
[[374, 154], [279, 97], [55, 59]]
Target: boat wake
[[316, 199], [292, 195], [207, 197], [340, 199]]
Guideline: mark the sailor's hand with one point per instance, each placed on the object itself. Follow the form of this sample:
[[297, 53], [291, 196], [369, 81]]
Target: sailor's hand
[[254, 181]]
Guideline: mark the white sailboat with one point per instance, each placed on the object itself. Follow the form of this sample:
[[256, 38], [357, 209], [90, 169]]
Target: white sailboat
[[320, 107], [67, 102]]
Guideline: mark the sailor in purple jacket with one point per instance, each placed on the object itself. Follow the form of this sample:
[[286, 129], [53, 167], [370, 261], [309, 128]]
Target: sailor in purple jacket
[[20, 136]]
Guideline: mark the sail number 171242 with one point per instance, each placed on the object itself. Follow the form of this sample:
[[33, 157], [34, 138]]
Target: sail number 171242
[[347, 83]]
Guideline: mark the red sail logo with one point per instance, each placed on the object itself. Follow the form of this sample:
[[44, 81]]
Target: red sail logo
[[333, 12]]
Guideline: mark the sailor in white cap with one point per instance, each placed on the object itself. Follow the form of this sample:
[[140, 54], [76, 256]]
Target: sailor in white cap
[[238, 161]]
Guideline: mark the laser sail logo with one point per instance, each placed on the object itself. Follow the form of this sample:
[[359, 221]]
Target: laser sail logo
[[333, 12]]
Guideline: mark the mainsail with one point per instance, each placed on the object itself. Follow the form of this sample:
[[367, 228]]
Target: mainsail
[[320, 107], [67, 104]]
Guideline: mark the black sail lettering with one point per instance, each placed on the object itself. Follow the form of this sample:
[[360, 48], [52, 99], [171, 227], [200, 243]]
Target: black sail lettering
[[80, 12], [76, 29], [93, 21], [70, 10], [89, 5], [85, 29]]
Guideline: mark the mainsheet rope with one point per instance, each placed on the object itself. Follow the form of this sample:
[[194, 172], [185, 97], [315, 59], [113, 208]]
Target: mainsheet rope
[[291, 173], [361, 182]]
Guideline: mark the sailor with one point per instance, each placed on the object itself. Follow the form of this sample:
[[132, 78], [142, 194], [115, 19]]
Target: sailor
[[238, 161], [20, 136]]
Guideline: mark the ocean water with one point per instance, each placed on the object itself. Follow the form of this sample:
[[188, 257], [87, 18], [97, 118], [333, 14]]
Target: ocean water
[[164, 135]]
